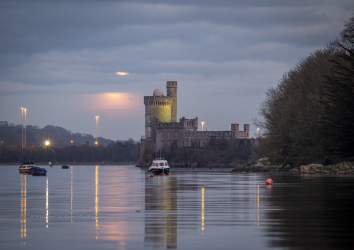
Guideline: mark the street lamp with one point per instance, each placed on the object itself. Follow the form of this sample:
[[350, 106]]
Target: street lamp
[[47, 143], [25, 127], [22, 126], [72, 142], [202, 125], [96, 129]]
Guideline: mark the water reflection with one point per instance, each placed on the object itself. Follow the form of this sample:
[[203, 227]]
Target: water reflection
[[311, 212], [161, 212], [71, 195], [96, 200], [202, 209], [46, 205], [23, 217]]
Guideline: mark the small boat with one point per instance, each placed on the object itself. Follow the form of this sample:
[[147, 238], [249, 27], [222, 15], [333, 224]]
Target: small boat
[[159, 167], [30, 171], [103, 164], [25, 166], [65, 167], [39, 171]]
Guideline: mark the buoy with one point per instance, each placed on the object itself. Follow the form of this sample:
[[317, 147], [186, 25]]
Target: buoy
[[151, 175], [269, 181], [162, 174]]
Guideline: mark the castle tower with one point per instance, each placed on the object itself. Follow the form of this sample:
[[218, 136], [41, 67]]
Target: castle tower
[[157, 106], [234, 130], [171, 89], [247, 130]]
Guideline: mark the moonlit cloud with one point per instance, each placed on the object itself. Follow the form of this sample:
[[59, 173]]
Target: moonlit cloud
[[122, 73]]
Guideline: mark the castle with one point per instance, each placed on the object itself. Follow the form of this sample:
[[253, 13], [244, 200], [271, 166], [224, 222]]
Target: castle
[[162, 128]]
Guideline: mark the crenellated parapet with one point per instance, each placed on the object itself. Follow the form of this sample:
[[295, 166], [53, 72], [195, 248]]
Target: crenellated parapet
[[158, 101]]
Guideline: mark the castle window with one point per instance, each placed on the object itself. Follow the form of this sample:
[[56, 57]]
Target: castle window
[[168, 134], [162, 144], [162, 134], [149, 132]]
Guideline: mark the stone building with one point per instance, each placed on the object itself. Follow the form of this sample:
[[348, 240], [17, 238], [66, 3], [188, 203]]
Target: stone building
[[162, 128]]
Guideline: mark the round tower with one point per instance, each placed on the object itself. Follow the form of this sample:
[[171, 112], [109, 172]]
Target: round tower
[[156, 106], [171, 89]]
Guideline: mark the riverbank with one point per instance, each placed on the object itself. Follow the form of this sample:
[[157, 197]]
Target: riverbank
[[73, 163], [262, 165]]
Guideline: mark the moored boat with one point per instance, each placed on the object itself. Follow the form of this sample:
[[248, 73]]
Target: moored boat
[[25, 166], [159, 167], [39, 171], [31, 170], [65, 167]]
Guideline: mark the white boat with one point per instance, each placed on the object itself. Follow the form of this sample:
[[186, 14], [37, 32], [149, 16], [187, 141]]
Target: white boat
[[25, 166], [159, 167]]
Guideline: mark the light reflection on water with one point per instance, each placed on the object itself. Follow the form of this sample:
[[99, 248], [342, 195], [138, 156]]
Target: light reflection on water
[[121, 207]]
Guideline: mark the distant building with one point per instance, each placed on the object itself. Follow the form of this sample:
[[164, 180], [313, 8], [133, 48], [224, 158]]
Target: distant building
[[162, 128]]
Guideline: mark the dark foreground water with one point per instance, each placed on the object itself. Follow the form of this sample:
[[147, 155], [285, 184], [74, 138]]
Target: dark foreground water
[[120, 207]]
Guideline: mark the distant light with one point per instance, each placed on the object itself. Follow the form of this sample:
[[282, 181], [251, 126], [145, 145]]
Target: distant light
[[122, 73], [96, 142], [47, 143]]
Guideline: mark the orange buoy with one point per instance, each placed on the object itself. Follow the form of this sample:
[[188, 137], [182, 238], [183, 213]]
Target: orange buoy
[[269, 181], [151, 175], [162, 174]]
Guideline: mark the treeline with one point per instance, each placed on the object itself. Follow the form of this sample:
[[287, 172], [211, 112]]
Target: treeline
[[121, 151], [11, 134], [309, 116], [218, 152]]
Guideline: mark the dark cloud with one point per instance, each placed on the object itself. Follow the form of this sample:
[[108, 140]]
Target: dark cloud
[[224, 54]]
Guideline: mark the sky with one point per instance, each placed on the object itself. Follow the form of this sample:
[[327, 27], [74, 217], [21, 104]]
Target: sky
[[59, 59]]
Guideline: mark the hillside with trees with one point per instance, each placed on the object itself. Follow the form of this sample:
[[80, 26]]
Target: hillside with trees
[[61, 150], [309, 116], [11, 134]]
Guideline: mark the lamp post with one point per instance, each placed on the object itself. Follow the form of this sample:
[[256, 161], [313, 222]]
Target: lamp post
[[22, 127], [202, 125], [96, 129], [25, 127]]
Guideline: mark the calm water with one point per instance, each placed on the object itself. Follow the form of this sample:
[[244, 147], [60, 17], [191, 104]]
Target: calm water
[[120, 207]]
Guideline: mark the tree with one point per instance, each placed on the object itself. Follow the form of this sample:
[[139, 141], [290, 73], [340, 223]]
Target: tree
[[338, 116]]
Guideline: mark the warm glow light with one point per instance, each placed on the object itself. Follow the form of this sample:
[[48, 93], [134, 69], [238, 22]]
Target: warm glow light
[[47, 143], [122, 73], [96, 201], [71, 194], [202, 209], [96, 143], [23, 219], [202, 125], [72, 141], [46, 205]]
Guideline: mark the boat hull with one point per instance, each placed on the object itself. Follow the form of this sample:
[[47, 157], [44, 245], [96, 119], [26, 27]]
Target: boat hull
[[159, 171], [41, 171]]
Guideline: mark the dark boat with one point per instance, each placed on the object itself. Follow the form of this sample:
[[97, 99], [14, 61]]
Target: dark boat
[[39, 171], [30, 171], [65, 167]]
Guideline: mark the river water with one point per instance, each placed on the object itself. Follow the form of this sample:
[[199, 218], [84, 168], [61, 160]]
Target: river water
[[121, 207]]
